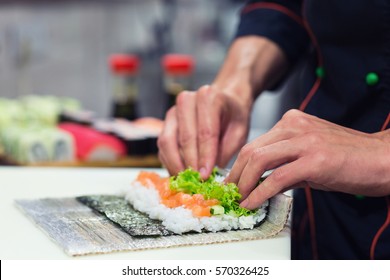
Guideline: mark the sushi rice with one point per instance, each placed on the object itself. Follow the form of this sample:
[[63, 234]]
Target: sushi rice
[[181, 220]]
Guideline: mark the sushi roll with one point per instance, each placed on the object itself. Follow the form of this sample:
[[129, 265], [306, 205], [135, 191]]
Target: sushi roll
[[62, 147], [37, 144], [136, 140], [186, 203], [152, 127], [25, 145], [83, 117], [92, 145]]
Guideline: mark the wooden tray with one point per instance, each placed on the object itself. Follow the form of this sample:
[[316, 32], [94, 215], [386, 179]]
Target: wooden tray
[[131, 161]]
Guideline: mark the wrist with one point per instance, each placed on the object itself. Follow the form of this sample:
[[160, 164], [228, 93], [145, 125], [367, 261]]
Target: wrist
[[236, 87], [383, 160], [253, 64]]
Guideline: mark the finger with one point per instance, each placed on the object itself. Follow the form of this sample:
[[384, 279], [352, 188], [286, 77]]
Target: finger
[[164, 165], [269, 138], [208, 128], [168, 143], [186, 117], [234, 126], [280, 180], [263, 159], [227, 147]]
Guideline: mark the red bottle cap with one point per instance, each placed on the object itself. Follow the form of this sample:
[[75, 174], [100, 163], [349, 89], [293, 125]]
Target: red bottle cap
[[124, 63], [178, 64]]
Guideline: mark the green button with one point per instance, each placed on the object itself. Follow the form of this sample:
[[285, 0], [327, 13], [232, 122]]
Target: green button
[[359, 196], [372, 79], [320, 72]]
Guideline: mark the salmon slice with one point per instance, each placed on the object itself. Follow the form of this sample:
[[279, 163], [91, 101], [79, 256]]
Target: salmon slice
[[151, 179], [199, 206], [200, 211]]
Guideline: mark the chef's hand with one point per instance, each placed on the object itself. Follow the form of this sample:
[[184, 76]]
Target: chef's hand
[[205, 128], [305, 148]]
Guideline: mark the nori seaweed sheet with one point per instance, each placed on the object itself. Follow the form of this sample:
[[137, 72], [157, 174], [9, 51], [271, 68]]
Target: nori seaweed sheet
[[118, 210], [137, 224]]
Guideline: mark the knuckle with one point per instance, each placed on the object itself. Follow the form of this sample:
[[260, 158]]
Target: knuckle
[[183, 98], [318, 164], [202, 94], [313, 139], [258, 153], [186, 139], [279, 174], [301, 121], [162, 142], [291, 114], [296, 118], [205, 134], [320, 159], [246, 151], [204, 97], [204, 89]]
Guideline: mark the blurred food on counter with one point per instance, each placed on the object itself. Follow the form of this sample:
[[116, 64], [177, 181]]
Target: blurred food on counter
[[34, 109], [35, 143], [124, 68], [93, 145], [84, 117], [178, 70], [129, 64], [28, 132], [139, 136], [46, 129]]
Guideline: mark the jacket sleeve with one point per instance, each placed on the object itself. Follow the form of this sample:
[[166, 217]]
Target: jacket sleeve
[[278, 20]]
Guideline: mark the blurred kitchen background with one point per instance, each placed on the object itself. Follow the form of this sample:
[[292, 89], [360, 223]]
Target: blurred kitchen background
[[61, 47]]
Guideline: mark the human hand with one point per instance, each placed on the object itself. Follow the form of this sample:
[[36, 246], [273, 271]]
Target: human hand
[[205, 128], [305, 148], [208, 126]]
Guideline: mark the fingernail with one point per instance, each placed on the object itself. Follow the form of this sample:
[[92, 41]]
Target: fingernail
[[203, 172]]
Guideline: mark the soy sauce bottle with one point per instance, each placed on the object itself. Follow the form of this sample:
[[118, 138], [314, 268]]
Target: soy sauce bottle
[[124, 68], [177, 75]]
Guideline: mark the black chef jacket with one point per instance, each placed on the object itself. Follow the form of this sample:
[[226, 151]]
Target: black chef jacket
[[347, 81]]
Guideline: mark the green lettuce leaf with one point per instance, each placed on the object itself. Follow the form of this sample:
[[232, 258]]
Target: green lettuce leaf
[[189, 181]]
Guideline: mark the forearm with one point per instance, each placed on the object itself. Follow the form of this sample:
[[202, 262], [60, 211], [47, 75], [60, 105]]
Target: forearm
[[383, 162], [253, 64]]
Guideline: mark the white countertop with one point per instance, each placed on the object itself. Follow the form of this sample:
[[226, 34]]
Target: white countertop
[[21, 239]]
